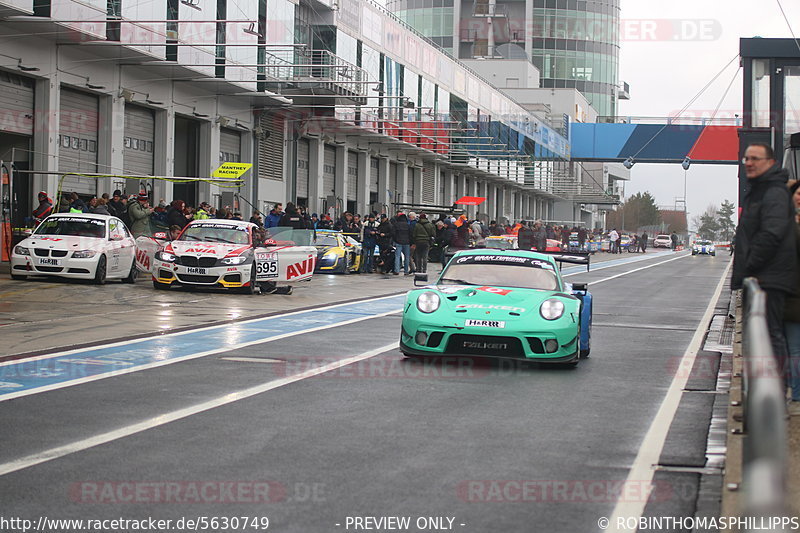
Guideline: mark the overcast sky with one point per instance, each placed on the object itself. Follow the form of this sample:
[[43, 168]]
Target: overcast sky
[[666, 73]]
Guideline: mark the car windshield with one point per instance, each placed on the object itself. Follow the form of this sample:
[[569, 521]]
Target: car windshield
[[500, 244], [287, 236], [75, 226], [216, 232], [703, 243], [663, 237], [500, 271], [326, 239]]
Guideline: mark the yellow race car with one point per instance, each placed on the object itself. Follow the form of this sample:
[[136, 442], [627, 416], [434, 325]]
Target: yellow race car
[[337, 252]]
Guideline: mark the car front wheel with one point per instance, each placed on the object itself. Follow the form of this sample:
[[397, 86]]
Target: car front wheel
[[100, 272], [132, 275]]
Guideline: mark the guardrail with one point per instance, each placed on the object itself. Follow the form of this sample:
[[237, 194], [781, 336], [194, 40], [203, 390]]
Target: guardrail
[[763, 392]]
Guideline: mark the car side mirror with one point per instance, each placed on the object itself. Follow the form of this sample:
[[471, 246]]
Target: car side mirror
[[161, 235], [580, 287], [116, 237], [420, 278]]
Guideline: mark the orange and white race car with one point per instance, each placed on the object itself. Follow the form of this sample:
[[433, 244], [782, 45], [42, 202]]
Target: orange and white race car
[[226, 253]]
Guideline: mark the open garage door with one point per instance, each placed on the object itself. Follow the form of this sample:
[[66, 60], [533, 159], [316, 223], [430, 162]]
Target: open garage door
[[78, 124], [16, 138]]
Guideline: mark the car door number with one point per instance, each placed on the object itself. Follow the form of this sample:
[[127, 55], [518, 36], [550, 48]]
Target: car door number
[[266, 265]]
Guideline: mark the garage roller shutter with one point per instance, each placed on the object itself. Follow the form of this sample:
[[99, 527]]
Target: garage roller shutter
[[78, 140], [270, 147], [137, 154], [373, 174], [16, 104], [428, 184], [303, 149], [328, 172], [352, 175], [230, 146]]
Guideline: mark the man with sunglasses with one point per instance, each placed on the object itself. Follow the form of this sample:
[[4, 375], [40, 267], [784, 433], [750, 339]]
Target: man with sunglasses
[[765, 242]]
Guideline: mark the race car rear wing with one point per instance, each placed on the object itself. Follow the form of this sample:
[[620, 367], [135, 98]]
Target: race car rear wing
[[573, 258]]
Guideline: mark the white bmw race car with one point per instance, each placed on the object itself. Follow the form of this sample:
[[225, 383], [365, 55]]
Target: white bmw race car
[[229, 254], [77, 245], [704, 247]]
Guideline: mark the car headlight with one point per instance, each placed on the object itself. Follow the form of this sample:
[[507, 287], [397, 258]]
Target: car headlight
[[551, 309], [238, 260], [83, 254], [21, 250], [428, 302], [165, 256], [330, 256]]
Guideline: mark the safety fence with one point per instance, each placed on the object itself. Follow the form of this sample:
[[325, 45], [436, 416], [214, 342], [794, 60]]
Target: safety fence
[[764, 465]]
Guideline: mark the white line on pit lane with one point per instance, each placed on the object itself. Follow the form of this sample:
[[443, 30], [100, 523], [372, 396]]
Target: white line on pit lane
[[166, 418], [628, 271], [643, 467]]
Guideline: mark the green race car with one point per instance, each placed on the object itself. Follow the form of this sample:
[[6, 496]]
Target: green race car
[[500, 303]]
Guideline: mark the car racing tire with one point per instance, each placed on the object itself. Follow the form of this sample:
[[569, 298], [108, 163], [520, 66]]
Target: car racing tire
[[132, 275], [101, 271], [287, 290], [250, 289], [346, 264], [18, 277], [160, 286]]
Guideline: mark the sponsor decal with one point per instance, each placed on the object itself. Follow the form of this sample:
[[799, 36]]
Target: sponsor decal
[[217, 225], [495, 290], [143, 259], [485, 323], [201, 250], [486, 345], [56, 239], [299, 269], [496, 307], [77, 219]]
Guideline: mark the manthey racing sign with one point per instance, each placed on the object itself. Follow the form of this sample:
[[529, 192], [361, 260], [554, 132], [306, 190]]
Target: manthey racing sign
[[231, 170]]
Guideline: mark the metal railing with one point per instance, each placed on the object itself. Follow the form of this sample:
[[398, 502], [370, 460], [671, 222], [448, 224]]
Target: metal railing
[[764, 403], [322, 66]]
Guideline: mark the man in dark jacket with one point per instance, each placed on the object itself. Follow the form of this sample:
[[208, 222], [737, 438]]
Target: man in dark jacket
[[384, 238], [401, 237], [525, 237], [765, 244], [423, 235], [115, 205], [370, 240], [292, 219], [539, 236]]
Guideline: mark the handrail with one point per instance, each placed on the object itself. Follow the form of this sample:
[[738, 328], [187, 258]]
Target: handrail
[[765, 457]]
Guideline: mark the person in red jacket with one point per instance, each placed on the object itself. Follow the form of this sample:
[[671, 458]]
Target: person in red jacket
[[44, 209]]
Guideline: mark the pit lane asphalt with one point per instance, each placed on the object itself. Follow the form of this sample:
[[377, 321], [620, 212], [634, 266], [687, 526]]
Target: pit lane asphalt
[[387, 436]]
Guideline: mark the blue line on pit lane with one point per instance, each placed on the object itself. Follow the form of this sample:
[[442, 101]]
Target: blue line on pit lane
[[103, 361]]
